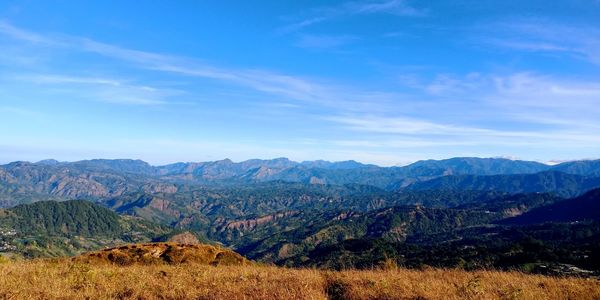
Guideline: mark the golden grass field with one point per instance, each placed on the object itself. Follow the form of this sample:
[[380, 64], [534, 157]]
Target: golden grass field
[[68, 279]]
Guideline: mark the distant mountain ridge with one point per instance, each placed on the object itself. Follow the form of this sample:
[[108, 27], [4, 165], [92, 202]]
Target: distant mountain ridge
[[480, 166], [23, 182], [566, 185], [226, 168], [582, 167]]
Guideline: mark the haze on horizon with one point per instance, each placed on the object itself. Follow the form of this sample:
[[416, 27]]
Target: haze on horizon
[[386, 82]]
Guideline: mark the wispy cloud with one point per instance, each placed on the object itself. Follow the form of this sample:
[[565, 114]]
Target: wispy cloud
[[301, 24], [265, 81], [354, 8], [530, 46], [522, 109], [393, 7], [539, 35], [283, 86], [400, 143], [260, 80], [399, 125], [573, 98], [418, 133], [445, 84], [541, 99], [100, 89], [21, 34], [520, 89], [324, 41]]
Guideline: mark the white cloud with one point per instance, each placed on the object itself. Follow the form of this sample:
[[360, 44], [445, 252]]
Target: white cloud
[[538, 35], [393, 7], [354, 8], [400, 143], [570, 103], [445, 84], [285, 86], [399, 125], [21, 34], [100, 89], [260, 80], [564, 99]]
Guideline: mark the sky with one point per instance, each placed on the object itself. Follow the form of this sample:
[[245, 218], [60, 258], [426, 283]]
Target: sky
[[387, 82]]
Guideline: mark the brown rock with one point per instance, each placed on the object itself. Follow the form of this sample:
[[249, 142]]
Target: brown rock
[[184, 238]]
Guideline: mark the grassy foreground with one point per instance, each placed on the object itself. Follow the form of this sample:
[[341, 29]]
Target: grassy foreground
[[72, 280]]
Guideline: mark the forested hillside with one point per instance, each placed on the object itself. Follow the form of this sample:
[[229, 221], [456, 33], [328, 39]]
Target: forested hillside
[[50, 228]]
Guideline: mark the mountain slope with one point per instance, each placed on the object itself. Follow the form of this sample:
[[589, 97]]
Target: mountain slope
[[582, 167], [566, 185], [394, 224], [23, 182], [584, 207]]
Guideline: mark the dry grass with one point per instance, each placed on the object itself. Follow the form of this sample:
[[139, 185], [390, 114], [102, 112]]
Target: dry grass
[[76, 280], [457, 284]]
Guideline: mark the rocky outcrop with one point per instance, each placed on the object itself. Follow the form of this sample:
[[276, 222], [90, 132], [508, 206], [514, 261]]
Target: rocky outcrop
[[184, 238], [165, 253]]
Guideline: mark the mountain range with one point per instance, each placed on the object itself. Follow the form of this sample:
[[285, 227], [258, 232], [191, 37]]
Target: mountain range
[[459, 212], [49, 179]]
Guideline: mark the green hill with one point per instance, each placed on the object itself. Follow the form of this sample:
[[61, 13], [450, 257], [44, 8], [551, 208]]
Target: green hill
[[69, 218], [51, 228]]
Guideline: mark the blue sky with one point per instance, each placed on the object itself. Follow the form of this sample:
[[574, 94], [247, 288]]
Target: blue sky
[[385, 82]]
